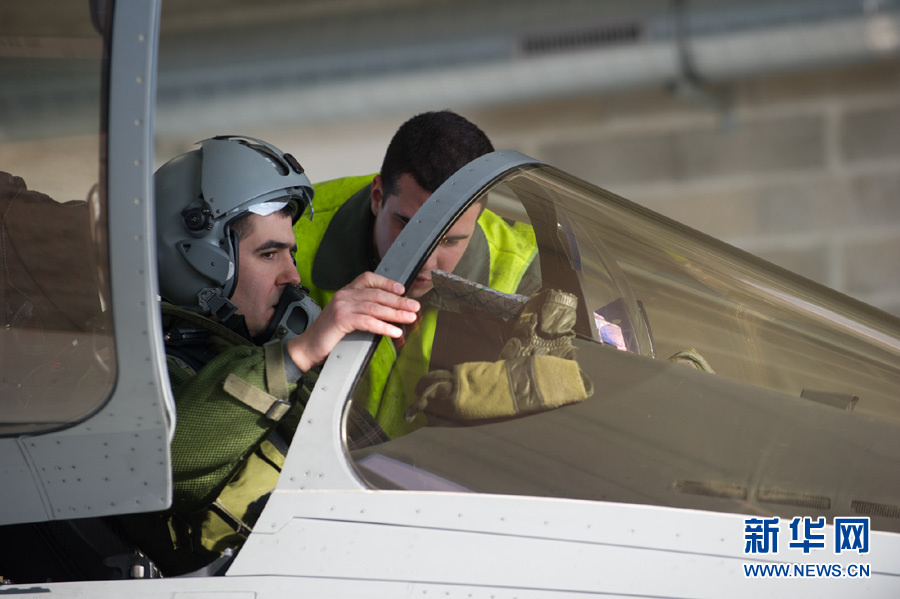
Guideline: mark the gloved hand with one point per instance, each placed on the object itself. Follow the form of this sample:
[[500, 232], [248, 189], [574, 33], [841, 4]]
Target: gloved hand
[[536, 372], [691, 357], [477, 391], [544, 327]]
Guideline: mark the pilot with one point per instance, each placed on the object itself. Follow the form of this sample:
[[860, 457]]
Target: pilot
[[424, 152], [242, 338]]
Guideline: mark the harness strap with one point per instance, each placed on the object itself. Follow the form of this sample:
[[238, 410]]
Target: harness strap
[[276, 379], [233, 521], [273, 408]]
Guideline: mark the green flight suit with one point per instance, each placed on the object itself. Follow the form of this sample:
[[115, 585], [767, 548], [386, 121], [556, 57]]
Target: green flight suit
[[226, 453]]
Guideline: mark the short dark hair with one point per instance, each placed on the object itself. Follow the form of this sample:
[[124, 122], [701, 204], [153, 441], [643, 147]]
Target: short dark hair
[[431, 147], [242, 228]]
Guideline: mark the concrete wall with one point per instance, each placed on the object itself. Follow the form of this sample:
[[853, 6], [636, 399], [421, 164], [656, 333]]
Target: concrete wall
[[802, 170]]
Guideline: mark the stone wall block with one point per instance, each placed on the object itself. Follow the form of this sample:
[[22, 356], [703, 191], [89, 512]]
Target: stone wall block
[[754, 147], [871, 134]]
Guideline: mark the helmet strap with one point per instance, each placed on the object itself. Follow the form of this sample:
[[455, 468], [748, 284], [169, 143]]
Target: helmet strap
[[212, 302]]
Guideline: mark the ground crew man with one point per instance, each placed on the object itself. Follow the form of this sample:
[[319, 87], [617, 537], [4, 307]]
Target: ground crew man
[[424, 152]]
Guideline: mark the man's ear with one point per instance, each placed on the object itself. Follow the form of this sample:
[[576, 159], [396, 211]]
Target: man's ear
[[377, 196]]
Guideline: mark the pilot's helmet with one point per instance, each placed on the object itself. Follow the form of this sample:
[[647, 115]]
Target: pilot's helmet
[[199, 195]]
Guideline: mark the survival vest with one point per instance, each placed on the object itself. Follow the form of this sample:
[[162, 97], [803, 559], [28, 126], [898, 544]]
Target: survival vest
[[236, 415]]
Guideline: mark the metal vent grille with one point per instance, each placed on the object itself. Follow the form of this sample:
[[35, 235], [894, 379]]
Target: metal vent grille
[[867, 508], [711, 489], [780, 497], [582, 38]]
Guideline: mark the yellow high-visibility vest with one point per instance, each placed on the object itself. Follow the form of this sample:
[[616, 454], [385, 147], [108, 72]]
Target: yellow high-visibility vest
[[388, 386]]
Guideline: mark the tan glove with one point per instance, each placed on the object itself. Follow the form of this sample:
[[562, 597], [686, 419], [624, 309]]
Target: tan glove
[[691, 357], [545, 327], [476, 391], [537, 370]]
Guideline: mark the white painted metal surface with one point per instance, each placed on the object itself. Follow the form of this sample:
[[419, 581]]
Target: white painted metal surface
[[116, 461]]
